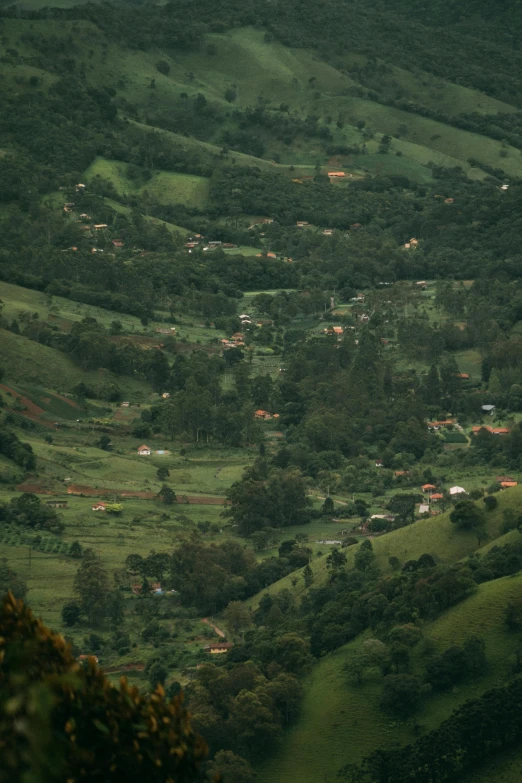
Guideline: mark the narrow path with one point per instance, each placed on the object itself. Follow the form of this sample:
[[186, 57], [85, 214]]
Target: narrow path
[[214, 627]]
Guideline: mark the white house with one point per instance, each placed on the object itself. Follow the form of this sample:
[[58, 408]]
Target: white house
[[424, 508], [144, 451], [457, 491], [488, 409]]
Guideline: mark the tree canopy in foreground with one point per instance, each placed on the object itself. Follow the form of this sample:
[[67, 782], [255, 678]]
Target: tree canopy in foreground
[[63, 721]]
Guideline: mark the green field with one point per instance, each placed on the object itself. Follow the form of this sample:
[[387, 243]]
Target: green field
[[165, 187], [342, 723], [436, 536]]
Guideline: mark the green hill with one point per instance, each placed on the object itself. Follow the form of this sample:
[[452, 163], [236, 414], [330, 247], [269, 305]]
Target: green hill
[[436, 536], [29, 362], [341, 722]]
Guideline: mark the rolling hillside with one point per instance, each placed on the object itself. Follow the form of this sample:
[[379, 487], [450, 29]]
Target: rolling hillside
[[436, 536], [341, 722]]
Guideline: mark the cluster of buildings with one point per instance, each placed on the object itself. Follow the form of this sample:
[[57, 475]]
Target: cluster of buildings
[[199, 239]]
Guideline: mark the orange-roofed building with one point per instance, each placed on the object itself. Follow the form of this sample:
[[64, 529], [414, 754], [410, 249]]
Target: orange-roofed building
[[428, 487], [463, 376], [336, 174], [507, 484], [437, 496], [260, 414]]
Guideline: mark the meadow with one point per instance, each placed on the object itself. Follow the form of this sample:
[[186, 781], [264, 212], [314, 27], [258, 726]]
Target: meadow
[[341, 722]]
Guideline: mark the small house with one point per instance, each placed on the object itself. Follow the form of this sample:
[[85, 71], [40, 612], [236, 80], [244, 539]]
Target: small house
[[488, 409], [302, 223], [218, 648], [336, 174], [457, 491], [378, 464], [500, 479], [99, 226], [260, 414], [56, 504], [100, 506], [117, 242], [504, 187], [436, 497], [144, 451], [508, 484], [424, 508], [463, 376], [328, 232], [428, 487], [125, 404]]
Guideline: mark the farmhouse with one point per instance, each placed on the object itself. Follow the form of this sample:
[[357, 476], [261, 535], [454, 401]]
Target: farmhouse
[[218, 648], [492, 430], [144, 451], [100, 506], [155, 587], [57, 504], [437, 496], [262, 415]]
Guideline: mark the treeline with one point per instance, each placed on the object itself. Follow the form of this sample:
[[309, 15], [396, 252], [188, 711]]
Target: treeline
[[208, 577], [27, 511], [472, 734], [14, 449]]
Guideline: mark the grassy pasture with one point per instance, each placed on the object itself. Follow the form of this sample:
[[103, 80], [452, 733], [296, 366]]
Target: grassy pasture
[[165, 186], [30, 362], [342, 722], [436, 536]]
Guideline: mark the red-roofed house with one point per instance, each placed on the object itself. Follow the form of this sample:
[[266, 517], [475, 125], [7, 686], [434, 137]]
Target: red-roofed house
[[437, 496], [262, 415], [99, 506], [144, 451], [428, 487]]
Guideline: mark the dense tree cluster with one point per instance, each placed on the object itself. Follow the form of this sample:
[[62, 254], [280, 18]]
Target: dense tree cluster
[[28, 511]]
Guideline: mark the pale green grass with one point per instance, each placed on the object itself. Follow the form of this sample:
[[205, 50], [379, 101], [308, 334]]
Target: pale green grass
[[124, 210], [436, 136], [470, 362], [436, 536], [29, 362], [341, 722], [165, 187]]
